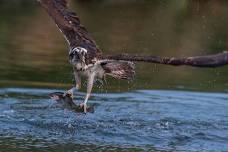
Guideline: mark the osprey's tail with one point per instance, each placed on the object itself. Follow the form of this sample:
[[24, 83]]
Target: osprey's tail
[[119, 69]]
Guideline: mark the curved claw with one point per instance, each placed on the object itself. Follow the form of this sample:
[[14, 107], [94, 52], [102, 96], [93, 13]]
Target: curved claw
[[71, 91], [84, 106]]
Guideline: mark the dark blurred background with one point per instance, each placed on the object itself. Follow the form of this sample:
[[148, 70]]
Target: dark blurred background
[[35, 54]]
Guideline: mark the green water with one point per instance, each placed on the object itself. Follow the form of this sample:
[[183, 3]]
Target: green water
[[34, 53]]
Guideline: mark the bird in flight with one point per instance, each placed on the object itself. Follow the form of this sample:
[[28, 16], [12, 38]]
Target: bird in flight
[[88, 61], [84, 54]]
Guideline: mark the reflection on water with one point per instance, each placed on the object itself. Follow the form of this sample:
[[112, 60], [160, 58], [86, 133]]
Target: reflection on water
[[34, 51], [142, 120]]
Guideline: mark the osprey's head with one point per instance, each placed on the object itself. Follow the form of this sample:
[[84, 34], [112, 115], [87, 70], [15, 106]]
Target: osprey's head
[[77, 56]]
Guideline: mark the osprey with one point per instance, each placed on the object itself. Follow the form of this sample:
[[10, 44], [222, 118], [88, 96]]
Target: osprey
[[88, 61], [84, 54]]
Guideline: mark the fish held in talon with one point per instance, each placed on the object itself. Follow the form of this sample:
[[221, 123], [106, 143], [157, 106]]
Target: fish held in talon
[[66, 101]]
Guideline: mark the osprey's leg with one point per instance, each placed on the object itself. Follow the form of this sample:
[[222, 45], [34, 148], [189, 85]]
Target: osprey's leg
[[77, 85], [89, 89], [77, 80]]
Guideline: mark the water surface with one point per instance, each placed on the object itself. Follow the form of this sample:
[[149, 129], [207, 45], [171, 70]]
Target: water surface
[[142, 120]]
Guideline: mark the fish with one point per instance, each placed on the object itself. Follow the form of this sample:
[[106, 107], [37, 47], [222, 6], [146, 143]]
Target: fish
[[65, 100]]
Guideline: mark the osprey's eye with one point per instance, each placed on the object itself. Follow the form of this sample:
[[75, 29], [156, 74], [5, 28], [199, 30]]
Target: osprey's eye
[[71, 55]]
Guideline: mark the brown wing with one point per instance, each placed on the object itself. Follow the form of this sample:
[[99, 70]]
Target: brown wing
[[70, 25], [206, 61]]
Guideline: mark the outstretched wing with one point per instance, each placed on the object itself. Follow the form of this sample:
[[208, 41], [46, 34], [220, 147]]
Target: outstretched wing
[[70, 25]]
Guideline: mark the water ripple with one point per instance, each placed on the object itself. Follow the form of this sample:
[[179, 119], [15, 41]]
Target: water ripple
[[140, 120]]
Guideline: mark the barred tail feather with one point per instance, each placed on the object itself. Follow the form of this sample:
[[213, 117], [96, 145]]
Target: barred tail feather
[[120, 69]]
